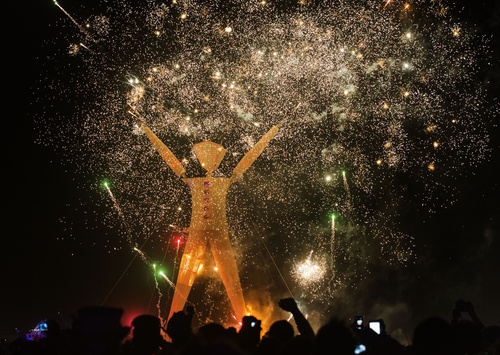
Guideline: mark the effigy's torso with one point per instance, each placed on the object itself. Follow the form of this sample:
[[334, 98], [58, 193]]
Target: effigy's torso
[[208, 203]]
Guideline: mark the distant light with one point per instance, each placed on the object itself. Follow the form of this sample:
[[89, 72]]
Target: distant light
[[328, 178], [228, 29]]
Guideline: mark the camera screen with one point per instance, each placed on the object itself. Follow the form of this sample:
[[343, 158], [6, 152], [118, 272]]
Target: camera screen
[[360, 349], [375, 326]]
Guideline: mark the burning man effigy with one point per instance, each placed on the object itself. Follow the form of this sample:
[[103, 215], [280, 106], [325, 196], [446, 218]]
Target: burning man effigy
[[208, 218]]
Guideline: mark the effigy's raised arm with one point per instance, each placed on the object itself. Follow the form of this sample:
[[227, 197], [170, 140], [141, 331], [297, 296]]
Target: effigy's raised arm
[[254, 153], [165, 153]]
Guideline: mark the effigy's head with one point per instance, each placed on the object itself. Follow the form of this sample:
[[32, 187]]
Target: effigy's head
[[209, 154]]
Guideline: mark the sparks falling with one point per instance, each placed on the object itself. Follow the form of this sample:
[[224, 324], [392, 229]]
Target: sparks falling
[[382, 89]]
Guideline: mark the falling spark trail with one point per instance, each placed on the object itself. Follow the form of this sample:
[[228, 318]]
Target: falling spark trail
[[167, 279], [71, 18], [87, 48], [124, 221], [160, 295], [115, 202], [348, 192], [142, 255], [171, 284], [332, 243], [176, 257]]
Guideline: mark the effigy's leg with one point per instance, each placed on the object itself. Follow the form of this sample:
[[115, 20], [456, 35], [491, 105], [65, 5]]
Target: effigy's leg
[[191, 261], [226, 263]]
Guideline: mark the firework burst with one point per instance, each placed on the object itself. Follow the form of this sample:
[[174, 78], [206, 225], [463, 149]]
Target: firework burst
[[376, 100]]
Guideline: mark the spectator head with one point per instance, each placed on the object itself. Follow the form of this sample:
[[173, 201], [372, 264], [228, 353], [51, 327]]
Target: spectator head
[[179, 327], [147, 328], [281, 330], [334, 338], [433, 336], [211, 333]]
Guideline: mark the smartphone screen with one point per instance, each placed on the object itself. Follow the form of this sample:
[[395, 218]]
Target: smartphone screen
[[375, 326], [360, 349]]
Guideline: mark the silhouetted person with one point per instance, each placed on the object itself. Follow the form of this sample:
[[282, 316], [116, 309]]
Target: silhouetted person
[[378, 344], [249, 334], [179, 329], [56, 341], [466, 307], [334, 338], [303, 326], [147, 339], [491, 339], [215, 339], [279, 334], [211, 333], [433, 336]]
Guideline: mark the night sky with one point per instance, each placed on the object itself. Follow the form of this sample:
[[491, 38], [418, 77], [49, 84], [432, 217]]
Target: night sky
[[49, 271]]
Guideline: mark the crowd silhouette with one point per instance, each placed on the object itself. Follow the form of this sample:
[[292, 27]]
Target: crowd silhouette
[[98, 331]]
